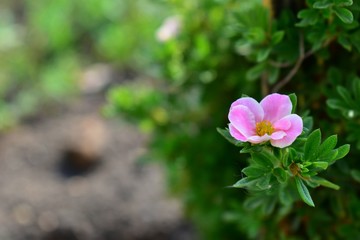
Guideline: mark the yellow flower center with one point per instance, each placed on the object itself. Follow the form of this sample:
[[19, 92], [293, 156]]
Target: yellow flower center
[[264, 127]]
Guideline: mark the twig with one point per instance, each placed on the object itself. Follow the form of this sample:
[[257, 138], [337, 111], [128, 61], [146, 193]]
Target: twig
[[296, 67], [302, 57]]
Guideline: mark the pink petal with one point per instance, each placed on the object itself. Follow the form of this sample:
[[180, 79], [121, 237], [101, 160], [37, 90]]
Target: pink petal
[[236, 134], [278, 135], [282, 124], [259, 139], [243, 120], [251, 104], [296, 127], [276, 106]]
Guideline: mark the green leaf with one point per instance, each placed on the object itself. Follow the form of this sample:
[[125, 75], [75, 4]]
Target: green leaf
[[356, 87], [263, 182], [255, 72], [345, 95], [344, 42], [293, 100], [343, 2], [312, 144], [355, 175], [327, 145], [253, 202], [324, 182], [263, 54], [244, 182], [277, 37], [355, 40], [342, 151], [308, 123], [280, 175], [273, 73], [285, 196], [344, 14], [254, 172], [322, 4], [256, 35], [225, 133], [322, 165], [329, 157], [304, 192], [336, 104], [262, 159], [308, 16]]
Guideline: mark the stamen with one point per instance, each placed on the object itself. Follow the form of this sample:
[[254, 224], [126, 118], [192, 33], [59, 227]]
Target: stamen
[[264, 127]]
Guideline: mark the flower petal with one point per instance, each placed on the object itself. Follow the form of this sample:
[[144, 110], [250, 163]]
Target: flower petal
[[243, 120], [282, 124], [236, 134], [259, 139], [278, 135], [276, 106], [295, 129], [252, 105]]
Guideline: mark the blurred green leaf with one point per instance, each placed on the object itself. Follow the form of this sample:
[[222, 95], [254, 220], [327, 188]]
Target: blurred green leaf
[[344, 14]]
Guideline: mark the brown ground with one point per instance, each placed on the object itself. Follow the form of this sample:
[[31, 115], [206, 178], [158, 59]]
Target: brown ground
[[46, 194]]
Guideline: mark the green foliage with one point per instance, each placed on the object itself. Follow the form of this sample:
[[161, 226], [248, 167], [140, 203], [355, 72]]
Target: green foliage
[[228, 48], [46, 45]]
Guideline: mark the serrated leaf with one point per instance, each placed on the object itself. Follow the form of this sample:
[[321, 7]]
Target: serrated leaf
[[342, 151], [325, 183], [312, 144], [293, 100], [254, 172], [327, 145], [277, 37], [344, 14], [280, 175], [304, 192], [244, 182]]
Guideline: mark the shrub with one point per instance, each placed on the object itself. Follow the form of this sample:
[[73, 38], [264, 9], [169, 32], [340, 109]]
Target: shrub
[[228, 48]]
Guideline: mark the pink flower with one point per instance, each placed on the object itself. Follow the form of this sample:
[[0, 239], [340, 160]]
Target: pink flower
[[270, 120]]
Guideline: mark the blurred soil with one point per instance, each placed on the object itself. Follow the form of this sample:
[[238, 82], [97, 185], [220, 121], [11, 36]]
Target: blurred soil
[[72, 175]]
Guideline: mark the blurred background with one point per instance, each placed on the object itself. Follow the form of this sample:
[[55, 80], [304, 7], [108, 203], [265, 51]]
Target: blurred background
[[67, 170]]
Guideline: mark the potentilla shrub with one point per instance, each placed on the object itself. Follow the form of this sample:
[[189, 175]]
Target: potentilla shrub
[[279, 79]]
